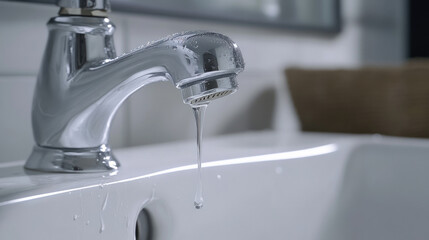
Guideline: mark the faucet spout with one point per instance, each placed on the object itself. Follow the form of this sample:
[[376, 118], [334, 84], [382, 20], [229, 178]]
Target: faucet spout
[[79, 90]]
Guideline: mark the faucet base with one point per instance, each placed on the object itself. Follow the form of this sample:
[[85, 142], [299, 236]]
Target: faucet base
[[72, 160]]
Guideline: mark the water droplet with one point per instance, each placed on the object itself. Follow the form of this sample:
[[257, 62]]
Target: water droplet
[[90, 3], [75, 217], [219, 176], [199, 204], [87, 223], [103, 207], [279, 170], [101, 186], [377, 137], [105, 202], [174, 48], [101, 227]]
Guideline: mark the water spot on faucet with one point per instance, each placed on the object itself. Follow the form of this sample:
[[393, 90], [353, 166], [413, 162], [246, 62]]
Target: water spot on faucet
[[90, 3]]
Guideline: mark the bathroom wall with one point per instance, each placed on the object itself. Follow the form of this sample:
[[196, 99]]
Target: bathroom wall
[[373, 33]]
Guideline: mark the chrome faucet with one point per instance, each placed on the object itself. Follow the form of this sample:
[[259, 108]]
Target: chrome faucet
[[82, 83]]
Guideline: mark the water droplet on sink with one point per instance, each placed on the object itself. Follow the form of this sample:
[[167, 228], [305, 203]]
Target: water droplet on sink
[[174, 48], [103, 207], [219, 176], [105, 202], [75, 217], [87, 223], [199, 203], [377, 137], [101, 227], [279, 170]]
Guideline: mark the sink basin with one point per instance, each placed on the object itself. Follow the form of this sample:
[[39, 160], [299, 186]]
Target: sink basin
[[256, 185]]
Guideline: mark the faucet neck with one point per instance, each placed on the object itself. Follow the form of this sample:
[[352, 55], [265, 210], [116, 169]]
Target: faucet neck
[[74, 43]]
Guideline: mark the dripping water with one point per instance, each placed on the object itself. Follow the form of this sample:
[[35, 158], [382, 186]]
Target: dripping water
[[103, 207], [199, 111]]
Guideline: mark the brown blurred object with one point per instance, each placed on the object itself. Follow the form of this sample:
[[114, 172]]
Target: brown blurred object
[[385, 100]]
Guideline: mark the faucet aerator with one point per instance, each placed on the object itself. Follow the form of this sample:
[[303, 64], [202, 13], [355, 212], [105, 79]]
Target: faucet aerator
[[205, 91]]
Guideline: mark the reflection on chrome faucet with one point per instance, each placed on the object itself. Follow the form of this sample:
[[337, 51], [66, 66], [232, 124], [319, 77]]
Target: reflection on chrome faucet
[[82, 83]]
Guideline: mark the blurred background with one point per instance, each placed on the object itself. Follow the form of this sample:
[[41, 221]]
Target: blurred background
[[273, 35]]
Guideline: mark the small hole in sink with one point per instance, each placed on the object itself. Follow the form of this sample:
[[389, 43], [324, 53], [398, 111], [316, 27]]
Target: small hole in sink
[[143, 226]]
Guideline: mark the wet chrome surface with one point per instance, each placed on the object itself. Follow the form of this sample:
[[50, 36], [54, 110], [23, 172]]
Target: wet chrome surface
[[82, 83]]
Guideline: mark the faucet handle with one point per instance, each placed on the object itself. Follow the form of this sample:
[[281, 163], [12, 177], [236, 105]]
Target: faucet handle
[[96, 8]]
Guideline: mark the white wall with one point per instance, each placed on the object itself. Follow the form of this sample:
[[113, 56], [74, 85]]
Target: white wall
[[373, 32]]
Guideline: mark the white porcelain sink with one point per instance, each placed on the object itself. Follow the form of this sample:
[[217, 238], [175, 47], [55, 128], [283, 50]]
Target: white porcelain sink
[[256, 186]]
